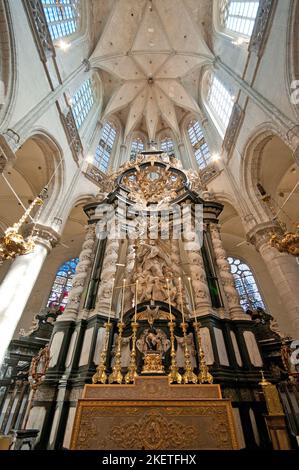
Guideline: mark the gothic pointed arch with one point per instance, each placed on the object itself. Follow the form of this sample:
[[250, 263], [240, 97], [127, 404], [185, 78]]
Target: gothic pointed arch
[[8, 69], [269, 168]]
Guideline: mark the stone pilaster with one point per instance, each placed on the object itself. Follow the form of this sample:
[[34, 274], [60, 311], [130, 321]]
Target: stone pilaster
[[227, 279], [284, 271], [82, 270]]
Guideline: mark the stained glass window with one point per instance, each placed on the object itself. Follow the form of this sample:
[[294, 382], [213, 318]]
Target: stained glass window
[[62, 284], [63, 17], [136, 147], [82, 102], [238, 15], [104, 149], [200, 147], [166, 145], [220, 101], [245, 284]]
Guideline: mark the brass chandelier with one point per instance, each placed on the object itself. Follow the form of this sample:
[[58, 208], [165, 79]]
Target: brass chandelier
[[285, 242], [288, 242], [13, 244]]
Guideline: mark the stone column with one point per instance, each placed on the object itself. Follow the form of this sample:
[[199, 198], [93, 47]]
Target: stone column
[[82, 271], [227, 279], [19, 282], [121, 156], [201, 294], [108, 273], [284, 271], [185, 157], [130, 274]]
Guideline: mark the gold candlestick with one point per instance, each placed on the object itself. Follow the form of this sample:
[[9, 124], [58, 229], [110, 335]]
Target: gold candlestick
[[204, 375], [123, 300], [192, 299], [189, 375], [174, 376], [101, 376], [132, 369], [136, 302], [116, 376], [110, 308]]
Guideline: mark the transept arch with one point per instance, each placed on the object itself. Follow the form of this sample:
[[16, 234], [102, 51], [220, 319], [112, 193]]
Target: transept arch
[[265, 166], [8, 69]]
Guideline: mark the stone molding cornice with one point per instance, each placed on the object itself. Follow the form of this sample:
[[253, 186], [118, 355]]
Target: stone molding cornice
[[261, 233], [44, 235]]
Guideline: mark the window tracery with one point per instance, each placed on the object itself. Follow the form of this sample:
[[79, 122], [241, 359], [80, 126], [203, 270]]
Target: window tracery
[[220, 101], [82, 102], [63, 17], [62, 284], [167, 145], [238, 15], [245, 284], [104, 149], [137, 146], [199, 145]]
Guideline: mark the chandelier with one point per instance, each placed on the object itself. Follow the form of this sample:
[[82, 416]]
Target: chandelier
[[288, 242], [13, 244], [285, 242]]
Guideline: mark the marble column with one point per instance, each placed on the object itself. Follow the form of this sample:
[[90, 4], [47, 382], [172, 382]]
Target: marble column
[[19, 283], [226, 277], [108, 273], [201, 294], [80, 278], [284, 271], [130, 274]]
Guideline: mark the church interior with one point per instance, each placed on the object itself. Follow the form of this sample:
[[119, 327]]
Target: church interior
[[149, 224]]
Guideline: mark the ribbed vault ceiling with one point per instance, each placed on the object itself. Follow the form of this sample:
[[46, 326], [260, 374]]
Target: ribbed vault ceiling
[[151, 51]]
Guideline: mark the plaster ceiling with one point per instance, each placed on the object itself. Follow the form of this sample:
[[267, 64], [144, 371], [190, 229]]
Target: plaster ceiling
[[152, 49], [29, 175]]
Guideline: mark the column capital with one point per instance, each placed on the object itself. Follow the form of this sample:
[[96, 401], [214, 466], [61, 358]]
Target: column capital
[[44, 235], [261, 233]]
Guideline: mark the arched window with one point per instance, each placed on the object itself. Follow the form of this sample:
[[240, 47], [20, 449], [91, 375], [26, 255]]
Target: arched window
[[245, 284], [136, 147], [220, 101], [238, 15], [62, 284], [82, 102], [200, 147], [104, 149], [166, 145], [63, 17]]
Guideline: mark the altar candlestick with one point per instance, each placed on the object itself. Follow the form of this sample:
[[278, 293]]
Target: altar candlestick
[[110, 309], [181, 295], [123, 301], [170, 314], [192, 299], [136, 291]]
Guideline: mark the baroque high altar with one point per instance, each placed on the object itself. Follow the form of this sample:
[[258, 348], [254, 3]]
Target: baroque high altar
[[153, 319]]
